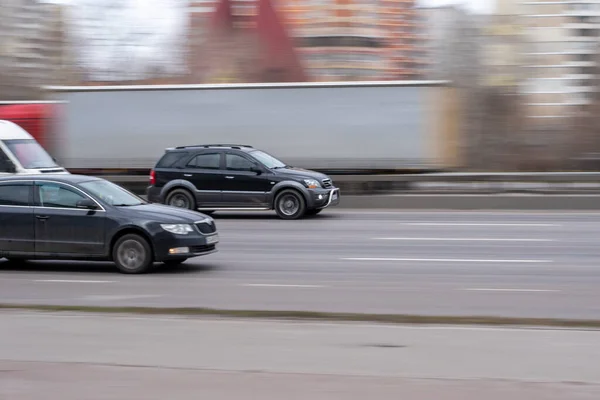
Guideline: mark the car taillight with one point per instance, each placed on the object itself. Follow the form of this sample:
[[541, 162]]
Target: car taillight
[[152, 177]]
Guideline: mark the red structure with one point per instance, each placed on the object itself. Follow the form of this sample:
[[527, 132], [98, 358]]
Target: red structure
[[34, 118], [250, 40]]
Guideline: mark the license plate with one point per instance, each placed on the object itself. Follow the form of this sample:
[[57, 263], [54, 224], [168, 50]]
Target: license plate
[[334, 196], [212, 239]]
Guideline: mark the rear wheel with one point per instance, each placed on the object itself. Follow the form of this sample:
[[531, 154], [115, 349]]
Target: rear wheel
[[132, 254], [174, 263], [181, 198], [289, 204]]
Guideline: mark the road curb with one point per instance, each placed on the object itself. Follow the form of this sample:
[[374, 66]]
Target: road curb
[[398, 319]]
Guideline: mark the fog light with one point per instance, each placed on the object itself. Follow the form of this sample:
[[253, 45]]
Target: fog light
[[320, 197], [179, 250]]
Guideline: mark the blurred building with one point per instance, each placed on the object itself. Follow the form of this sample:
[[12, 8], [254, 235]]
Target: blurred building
[[336, 39], [562, 39], [243, 41], [29, 48], [444, 28], [501, 55], [358, 39]]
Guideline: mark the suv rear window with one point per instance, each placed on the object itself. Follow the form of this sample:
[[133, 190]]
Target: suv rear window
[[170, 159]]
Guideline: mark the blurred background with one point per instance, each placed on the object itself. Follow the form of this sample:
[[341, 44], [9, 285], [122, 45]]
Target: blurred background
[[521, 76]]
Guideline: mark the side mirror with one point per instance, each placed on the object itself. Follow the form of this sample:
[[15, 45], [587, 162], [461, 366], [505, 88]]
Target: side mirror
[[255, 168], [87, 204]]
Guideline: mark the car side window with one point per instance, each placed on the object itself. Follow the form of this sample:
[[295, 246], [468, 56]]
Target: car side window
[[235, 162], [57, 196], [15, 195], [205, 161]]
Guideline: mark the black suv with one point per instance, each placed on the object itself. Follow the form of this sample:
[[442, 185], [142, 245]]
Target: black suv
[[238, 177]]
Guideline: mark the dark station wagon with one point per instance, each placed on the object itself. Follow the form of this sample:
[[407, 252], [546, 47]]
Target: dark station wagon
[[74, 217]]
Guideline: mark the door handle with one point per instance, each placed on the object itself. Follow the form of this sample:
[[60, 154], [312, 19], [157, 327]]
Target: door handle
[[187, 175], [42, 217], [229, 177]]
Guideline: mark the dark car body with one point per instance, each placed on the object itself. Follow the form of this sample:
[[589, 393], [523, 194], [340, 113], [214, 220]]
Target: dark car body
[[236, 177], [79, 217]]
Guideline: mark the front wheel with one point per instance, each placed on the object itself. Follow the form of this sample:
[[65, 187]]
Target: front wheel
[[289, 204], [132, 254]]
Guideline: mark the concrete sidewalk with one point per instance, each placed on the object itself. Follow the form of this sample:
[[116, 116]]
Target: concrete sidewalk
[[93, 357], [35, 381]]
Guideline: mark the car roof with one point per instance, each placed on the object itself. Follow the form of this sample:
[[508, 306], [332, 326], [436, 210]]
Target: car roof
[[242, 147], [9, 130], [61, 178]]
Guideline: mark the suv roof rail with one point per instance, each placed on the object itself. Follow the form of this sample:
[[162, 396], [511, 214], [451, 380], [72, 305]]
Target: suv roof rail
[[214, 145]]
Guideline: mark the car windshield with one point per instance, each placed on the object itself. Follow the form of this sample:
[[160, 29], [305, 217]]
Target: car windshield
[[30, 154], [267, 160], [112, 194]]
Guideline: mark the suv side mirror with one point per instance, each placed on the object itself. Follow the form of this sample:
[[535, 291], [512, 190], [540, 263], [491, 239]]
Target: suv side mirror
[[255, 168], [87, 204]]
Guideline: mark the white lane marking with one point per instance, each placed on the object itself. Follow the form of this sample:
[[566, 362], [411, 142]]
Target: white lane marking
[[117, 297], [279, 285], [445, 260], [466, 239], [509, 290], [70, 281], [476, 224]]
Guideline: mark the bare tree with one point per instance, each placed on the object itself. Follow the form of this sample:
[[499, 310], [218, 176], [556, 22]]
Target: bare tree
[[111, 43]]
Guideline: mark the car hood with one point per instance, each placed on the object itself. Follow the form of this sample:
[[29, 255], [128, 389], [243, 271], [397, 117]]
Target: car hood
[[301, 173], [163, 214]]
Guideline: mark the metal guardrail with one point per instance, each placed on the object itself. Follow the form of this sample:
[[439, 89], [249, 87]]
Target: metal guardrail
[[444, 183]]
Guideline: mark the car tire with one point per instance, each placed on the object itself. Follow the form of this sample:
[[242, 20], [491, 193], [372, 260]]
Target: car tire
[[314, 211], [289, 204], [174, 263], [181, 198], [132, 254]]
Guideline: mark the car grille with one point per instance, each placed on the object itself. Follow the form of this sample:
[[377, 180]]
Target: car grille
[[327, 183], [206, 227], [203, 248]]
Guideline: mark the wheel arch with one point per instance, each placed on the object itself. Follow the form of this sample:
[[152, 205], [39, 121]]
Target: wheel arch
[[289, 185], [130, 230], [177, 184]]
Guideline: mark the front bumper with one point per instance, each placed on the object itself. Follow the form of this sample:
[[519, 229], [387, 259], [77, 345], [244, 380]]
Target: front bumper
[[170, 247], [323, 198]]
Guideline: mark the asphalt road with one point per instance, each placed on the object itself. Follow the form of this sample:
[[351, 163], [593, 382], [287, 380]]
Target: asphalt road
[[108, 357], [524, 264]]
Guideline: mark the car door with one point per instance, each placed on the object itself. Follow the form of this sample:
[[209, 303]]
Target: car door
[[242, 185], [17, 235], [61, 227], [203, 170]]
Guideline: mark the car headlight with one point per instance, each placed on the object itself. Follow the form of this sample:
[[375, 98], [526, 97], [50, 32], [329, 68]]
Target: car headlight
[[178, 229], [312, 183]]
